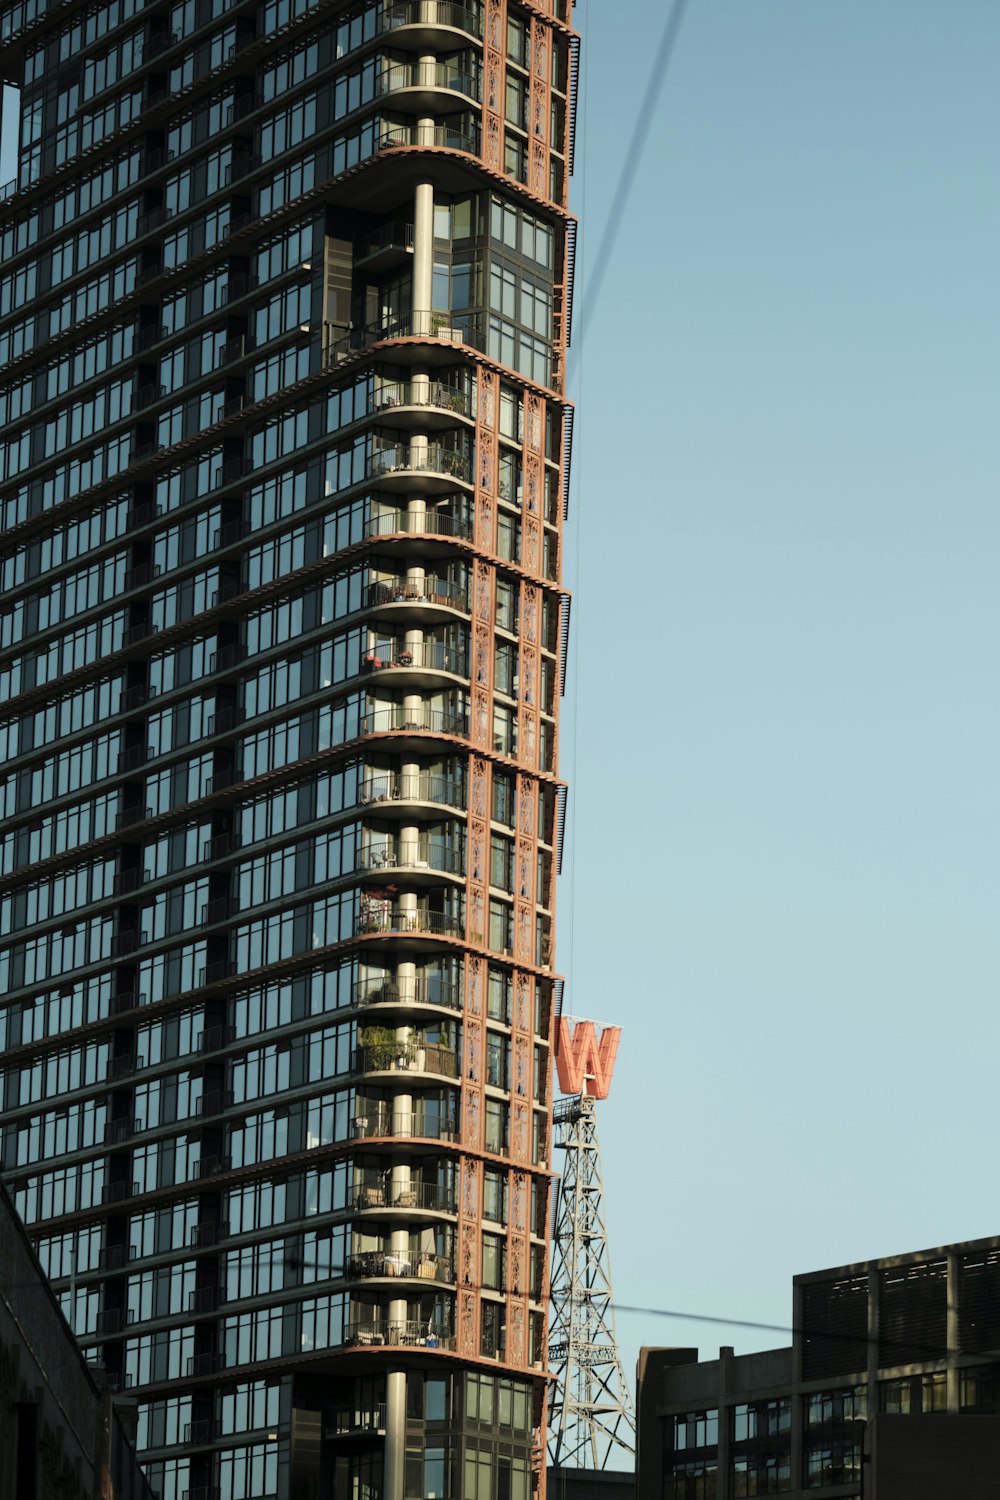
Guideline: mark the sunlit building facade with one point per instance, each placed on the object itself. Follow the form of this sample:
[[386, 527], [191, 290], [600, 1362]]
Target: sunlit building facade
[[284, 305]]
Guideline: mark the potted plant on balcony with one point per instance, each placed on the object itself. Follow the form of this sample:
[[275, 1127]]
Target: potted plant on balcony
[[380, 1047]]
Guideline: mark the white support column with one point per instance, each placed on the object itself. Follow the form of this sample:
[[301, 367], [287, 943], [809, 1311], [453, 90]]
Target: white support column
[[395, 1435], [422, 291]]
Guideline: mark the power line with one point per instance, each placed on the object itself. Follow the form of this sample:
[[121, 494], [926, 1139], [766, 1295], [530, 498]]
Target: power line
[[633, 156], [829, 1335]]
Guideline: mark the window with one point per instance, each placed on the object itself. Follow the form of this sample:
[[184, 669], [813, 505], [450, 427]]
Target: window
[[833, 1461], [696, 1429]]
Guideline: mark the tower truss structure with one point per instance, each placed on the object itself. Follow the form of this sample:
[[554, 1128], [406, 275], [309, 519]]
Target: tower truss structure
[[592, 1418]]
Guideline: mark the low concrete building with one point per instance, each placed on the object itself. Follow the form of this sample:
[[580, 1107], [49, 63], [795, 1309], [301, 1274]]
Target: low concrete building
[[62, 1437], [890, 1391], [590, 1484]]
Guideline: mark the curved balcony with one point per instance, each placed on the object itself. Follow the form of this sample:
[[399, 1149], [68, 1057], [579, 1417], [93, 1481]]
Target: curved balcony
[[420, 23], [418, 858], [388, 1198], [419, 598], [417, 659], [409, 1334], [382, 1123], [436, 404], [392, 788], [419, 86], [406, 1057], [395, 718], [464, 136], [376, 917], [376, 1264], [390, 994], [437, 466], [429, 523]]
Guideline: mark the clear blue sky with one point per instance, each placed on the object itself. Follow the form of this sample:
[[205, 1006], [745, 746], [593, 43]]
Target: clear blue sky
[[785, 781]]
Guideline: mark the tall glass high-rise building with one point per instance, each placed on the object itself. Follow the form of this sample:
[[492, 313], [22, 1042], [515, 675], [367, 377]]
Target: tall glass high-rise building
[[284, 304]]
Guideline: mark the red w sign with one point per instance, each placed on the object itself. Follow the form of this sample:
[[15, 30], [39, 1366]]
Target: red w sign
[[582, 1065]]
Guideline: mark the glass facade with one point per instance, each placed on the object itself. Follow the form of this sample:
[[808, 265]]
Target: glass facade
[[283, 317]]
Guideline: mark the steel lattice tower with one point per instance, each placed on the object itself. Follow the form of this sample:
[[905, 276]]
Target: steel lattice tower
[[593, 1419]]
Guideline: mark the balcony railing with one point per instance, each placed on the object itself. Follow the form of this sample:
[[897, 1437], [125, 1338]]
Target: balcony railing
[[406, 1057], [388, 992], [423, 718], [388, 237], [449, 327], [432, 13], [437, 394], [343, 1423], [393, 787], [424, 1195], [421, 523], [374, 919], [412, 1331], [429, 1267], [394, 854], [428, 655], [400, 590], [420, 75], [401, 1125], [405, 458], [449, 136]]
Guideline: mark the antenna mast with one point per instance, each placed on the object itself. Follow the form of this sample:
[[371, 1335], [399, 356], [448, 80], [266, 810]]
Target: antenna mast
[[592, 1419]]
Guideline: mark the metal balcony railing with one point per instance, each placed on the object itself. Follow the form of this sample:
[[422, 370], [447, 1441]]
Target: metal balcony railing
[[406, 1057], [401, 590], [376, 1263], [396, 854], [423, 523], [427, 655], [420, 718], [423, 992], [436, 393], [420, 75], [423, 1195], [393, 787], [376, 1122], [411, 1332], [373, 918], [406, 458], [343, 1423], [431, 13]]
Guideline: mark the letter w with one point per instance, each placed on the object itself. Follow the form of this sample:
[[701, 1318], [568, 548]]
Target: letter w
[[582, 1065]]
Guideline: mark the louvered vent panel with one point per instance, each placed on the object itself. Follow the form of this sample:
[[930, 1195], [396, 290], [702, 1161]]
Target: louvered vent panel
[[913, 1313], [835, 1327], [979, 1302]]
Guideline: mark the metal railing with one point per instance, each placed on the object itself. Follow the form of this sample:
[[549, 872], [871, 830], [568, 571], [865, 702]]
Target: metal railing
[[426, 787], [424, 992], [429, 654], [423, 523], [455, 328], [412, 854], [401, 590], [424, 1195], [406, 1057], [427, 1266], [374, 919], [421, 718], [402, 458], [412, 1331], [391, 236], [432, 13], [421, 75], [341, 1423], [437, 394], [401, 1125]]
